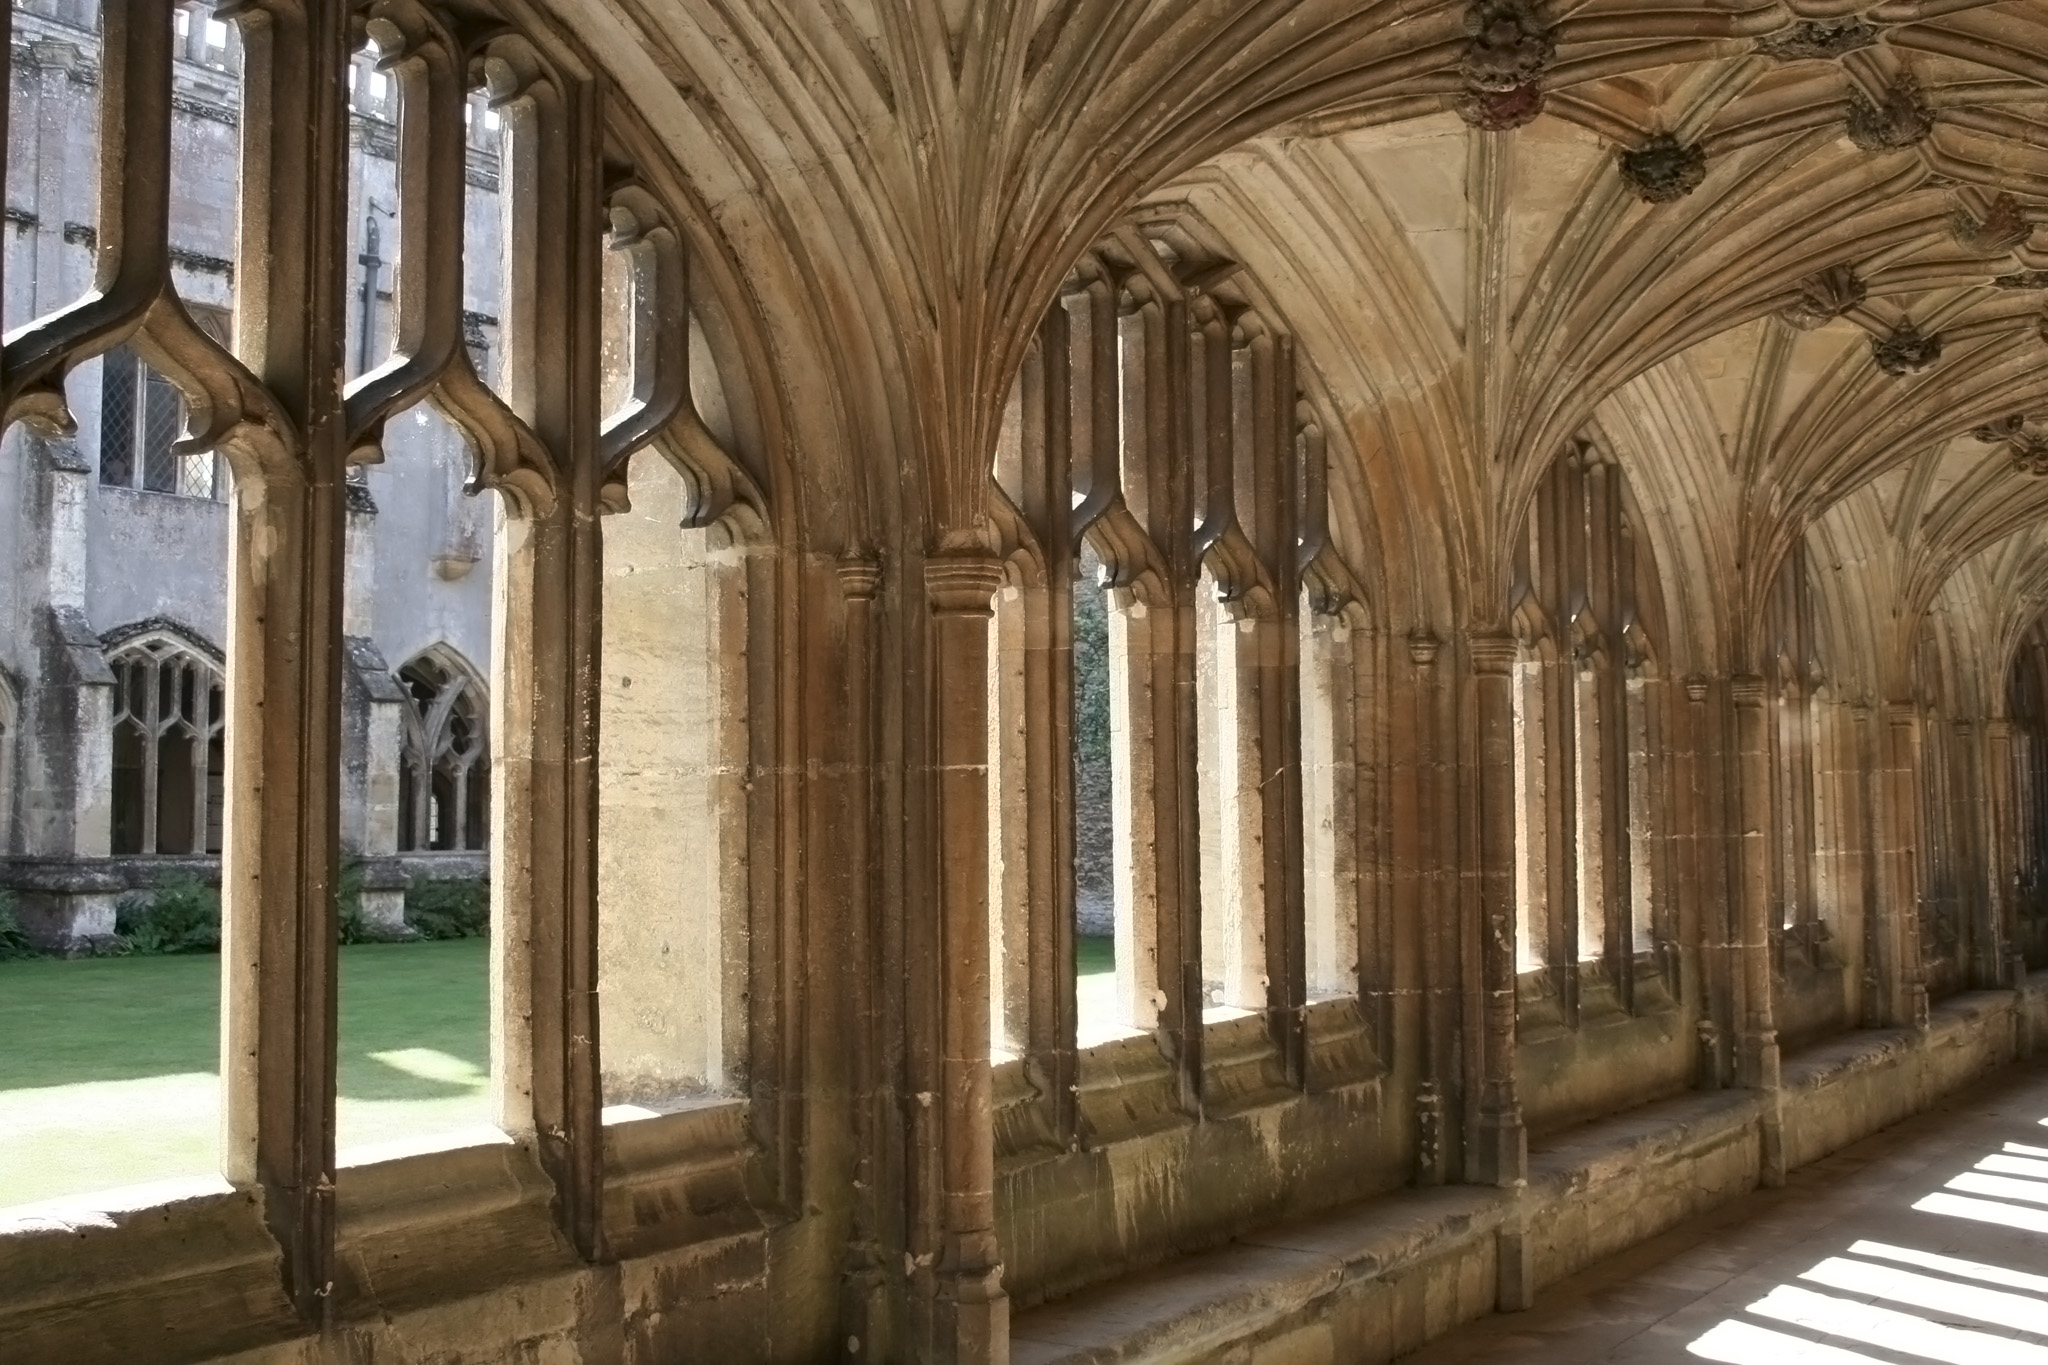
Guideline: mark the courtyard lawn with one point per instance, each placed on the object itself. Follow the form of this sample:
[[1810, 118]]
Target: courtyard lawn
[[109, 1067]]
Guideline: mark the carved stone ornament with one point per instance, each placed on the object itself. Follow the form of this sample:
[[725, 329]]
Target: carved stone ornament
[[1997, 231], [1817, 39], [2029, 450], [1902, 120], [1496, 111], [1906, 351], [1823, 297], [1510, 44], [1663, 169], [2022, 279]]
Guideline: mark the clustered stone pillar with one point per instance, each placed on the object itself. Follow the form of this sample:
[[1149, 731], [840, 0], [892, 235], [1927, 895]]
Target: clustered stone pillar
[[973, 1320], [1500, 1147], [1759, 1069], [1902, 892]]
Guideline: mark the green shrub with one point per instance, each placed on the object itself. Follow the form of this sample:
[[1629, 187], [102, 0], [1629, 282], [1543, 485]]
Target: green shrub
[[449, 907], [181, 916], [14, 941]]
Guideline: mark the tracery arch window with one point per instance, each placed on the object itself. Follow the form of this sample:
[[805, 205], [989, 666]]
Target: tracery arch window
[[169, 746], [444, 764], [1588, 720], [1806, 738], [292, 405], [1173, 718]]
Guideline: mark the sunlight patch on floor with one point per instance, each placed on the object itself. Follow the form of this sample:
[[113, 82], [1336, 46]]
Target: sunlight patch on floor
[[1941, 1309]]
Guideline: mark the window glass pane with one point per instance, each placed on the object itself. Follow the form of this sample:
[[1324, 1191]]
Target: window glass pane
[[118, 378]]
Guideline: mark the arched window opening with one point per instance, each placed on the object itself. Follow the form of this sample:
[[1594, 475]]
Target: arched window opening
[[687, 797], [444, 764], [1532, 889], [1334, 818], [1806, 833], [1588, 721], [2024, 866], [169, 753]]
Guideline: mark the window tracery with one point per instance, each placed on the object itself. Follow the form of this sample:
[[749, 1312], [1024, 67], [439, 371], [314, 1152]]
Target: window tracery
[[444, 787], [1587, 707], [169, 754]]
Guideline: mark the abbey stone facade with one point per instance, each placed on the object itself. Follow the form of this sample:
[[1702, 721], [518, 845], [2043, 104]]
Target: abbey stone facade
[[112, 707], [1510, 535]]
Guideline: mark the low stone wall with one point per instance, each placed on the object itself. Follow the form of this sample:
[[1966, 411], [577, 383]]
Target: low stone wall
[[1376, 1280], [68, 904]]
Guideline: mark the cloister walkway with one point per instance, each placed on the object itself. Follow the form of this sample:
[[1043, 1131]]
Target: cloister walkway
[[1927, 1241]]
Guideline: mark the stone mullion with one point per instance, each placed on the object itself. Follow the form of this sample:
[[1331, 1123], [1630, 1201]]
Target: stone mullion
[[202, 721], [1049, 730], [1754, 807], [1906, 985], [1611, 700], [546, 642], [1560, 743], [1500, 1147], [1170, 508], [973, 1315], [152, 750], [1276, 537], [282, 836]]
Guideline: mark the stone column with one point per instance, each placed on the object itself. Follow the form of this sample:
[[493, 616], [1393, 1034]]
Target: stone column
[[1439, 995], [973, 1317], [1500, 1148], [1907, 985], [2000, 851], [1759, 1052], [864, 1295]]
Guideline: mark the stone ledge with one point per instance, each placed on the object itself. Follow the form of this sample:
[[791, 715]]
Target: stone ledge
[[1260, 1284], [1386, 1275]]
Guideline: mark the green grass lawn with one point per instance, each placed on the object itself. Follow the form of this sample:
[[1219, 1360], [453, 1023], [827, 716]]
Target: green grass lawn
[[109, 1073], [1093, 956]]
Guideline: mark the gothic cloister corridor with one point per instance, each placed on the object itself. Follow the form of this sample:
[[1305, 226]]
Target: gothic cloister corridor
[[1068, 681]]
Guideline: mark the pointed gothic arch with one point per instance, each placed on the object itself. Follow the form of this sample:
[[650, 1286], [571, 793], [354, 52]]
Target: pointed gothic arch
[[444, 759]]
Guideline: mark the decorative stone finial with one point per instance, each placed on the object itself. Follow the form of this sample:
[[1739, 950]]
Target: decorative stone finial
[[1903, 118], [1510, 44], [1817, 39], [1823, 297], [1998, 230], [1503, 63], [2028, 449], [1663, 169], [1906, 351]]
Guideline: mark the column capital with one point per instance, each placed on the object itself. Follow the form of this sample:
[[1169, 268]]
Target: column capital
[[1422, 647], [1493, 651], [962, 584], [1696, 689], [860, 577], [1748, 689]]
